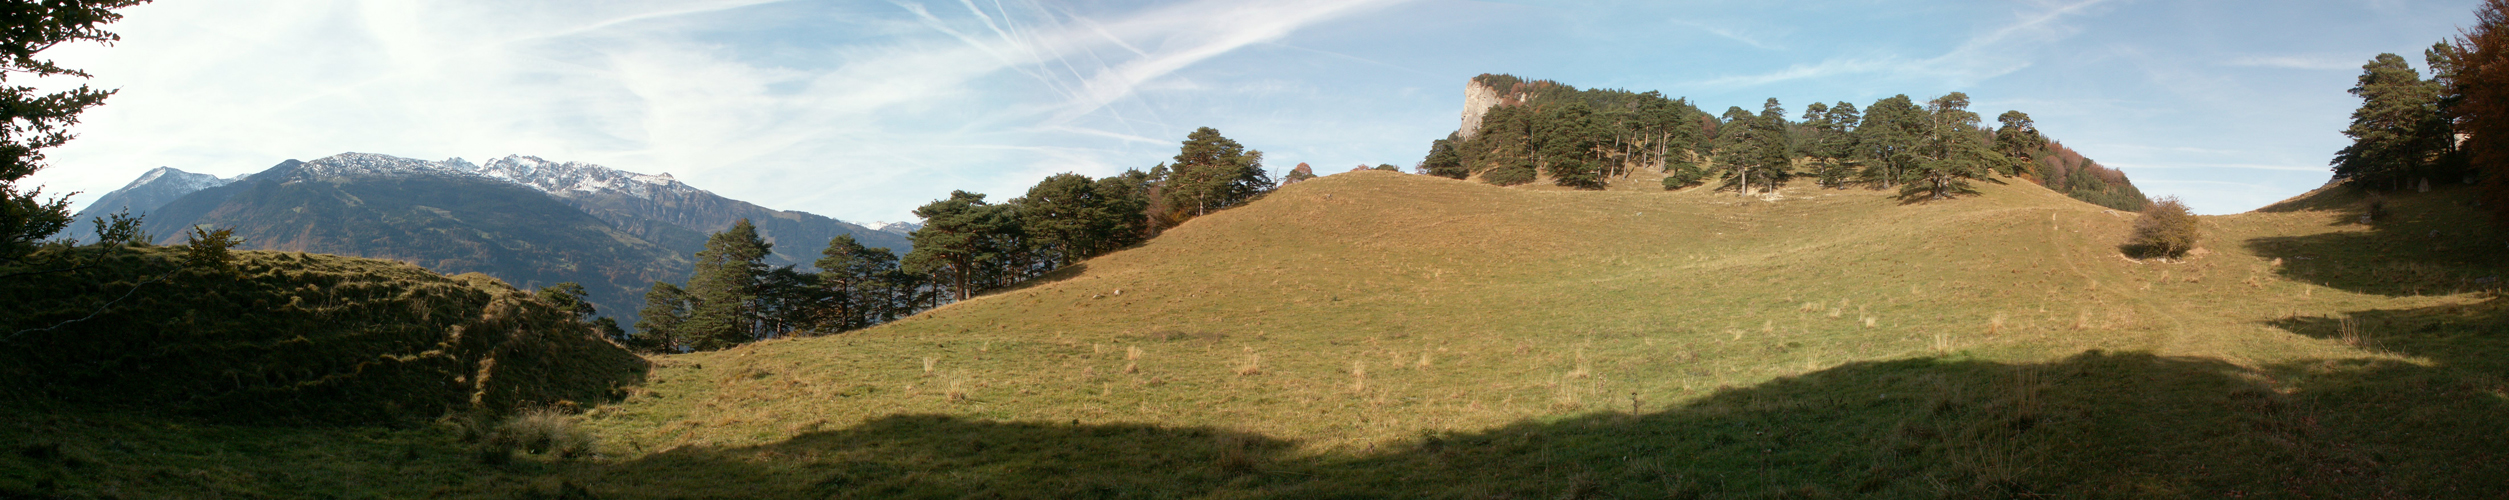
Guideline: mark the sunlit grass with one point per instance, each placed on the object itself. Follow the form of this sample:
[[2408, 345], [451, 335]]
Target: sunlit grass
[[1411, 336]]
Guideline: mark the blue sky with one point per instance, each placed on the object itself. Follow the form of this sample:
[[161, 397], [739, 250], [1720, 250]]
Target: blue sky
[[862, 110]]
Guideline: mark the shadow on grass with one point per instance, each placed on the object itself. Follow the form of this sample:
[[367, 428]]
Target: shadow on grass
[[2095, 425], [2469, 337], [2427, 244]]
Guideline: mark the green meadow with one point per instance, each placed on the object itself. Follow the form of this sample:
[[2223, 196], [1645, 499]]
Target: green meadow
[[1374, 334]]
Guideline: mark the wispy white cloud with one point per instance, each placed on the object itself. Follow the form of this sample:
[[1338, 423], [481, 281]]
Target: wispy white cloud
[[1979, 57], [1727, 33], [1824, 69], [653, 85]]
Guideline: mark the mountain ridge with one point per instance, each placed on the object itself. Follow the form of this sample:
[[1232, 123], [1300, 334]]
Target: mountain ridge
[[526, 220], [152, 189]]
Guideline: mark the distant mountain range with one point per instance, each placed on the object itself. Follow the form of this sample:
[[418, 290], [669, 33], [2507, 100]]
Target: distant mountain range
[[525, 220], [154, 189]]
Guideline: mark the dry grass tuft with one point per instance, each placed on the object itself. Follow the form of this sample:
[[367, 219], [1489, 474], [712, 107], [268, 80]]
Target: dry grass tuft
[[2349, 331], [1235, 454], [1358, 375], [547, 432], [1252, 366]]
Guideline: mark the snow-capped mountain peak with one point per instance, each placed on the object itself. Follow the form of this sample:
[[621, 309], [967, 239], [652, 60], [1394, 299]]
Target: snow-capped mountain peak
[[898, 228], [176, 180], [370, 164], [559, 178]]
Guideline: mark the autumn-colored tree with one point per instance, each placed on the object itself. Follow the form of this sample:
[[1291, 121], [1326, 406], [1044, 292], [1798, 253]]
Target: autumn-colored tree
[[2478, 85], [1298, 174]]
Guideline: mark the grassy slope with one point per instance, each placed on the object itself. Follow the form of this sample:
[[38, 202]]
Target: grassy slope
[[1404, 306], [1379, 334], [252, 380]]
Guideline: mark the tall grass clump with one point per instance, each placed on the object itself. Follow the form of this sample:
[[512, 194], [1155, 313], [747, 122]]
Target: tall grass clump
[[544, 432], [2166, 229]]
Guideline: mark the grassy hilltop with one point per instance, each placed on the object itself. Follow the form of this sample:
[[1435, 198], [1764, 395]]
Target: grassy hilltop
[[1375, 332], [1378, 334]]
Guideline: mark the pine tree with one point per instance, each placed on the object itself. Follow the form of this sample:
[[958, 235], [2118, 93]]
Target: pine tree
[[1888, 140], [1502, 153], [1063, 214], [1566, 138], [662, 323], [1126, 221], [1953, 151], [724, 289], [1830, 144], [1212, 173], [960, 243], [2018, 139], [31, 122], [1443, 161], [2398, 132], [1740, 142], [789, 301], [1773, 160], [854, 277]]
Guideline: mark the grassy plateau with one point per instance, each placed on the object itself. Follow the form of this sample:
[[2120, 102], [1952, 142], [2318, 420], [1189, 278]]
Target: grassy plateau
[[1374, 334]]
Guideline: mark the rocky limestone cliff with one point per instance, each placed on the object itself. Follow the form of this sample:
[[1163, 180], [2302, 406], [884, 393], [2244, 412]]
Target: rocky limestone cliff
[[1478, 99]]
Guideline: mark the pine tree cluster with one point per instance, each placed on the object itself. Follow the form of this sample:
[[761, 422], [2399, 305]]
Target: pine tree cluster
[[1591, 138], [966, 246]]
